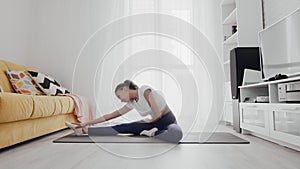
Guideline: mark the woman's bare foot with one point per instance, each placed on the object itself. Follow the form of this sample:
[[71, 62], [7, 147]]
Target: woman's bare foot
[[149, 133], [77, 130], [71, 126]]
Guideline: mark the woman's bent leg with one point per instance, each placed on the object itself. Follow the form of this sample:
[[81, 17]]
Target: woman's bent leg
[[127, 128], [172, 133]]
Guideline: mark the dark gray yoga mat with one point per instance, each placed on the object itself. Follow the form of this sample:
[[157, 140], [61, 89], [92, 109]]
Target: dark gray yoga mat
[[190, 138]]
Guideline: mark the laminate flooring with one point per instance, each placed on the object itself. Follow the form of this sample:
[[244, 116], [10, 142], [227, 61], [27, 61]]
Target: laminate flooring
[[41, 153]]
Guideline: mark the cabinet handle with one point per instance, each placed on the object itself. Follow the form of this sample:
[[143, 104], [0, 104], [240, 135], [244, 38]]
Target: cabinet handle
[[294, 109]]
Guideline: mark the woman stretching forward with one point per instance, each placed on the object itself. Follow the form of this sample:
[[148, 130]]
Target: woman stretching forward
[[146, 101]]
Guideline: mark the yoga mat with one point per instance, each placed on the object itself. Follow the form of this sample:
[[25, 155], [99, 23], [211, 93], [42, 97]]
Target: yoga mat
[[190, 138]]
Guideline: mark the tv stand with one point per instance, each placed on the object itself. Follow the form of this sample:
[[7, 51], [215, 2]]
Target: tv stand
[[275, 121]]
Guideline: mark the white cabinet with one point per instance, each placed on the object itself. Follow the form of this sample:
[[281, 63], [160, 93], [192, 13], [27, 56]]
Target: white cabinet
[[274, 120], [245, 16]]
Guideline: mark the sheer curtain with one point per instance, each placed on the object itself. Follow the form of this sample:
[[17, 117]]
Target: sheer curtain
[[154, 42], [158, 78]]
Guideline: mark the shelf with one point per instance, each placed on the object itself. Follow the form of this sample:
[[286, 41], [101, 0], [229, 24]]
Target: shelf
[[255, 104], [261, 84], [271, 82], [284, 104], [227, 2], [231, 40], [231, 19]]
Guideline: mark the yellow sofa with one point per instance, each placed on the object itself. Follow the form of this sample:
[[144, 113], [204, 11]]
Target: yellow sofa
[[23, 117]]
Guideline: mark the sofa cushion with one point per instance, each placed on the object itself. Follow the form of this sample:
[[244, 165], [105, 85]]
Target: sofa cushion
[[23, 83], [45, 106], [48, 85], [15, 107], [14, 66]]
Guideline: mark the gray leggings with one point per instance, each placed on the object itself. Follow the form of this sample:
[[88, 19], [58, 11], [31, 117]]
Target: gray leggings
[[168, 129]]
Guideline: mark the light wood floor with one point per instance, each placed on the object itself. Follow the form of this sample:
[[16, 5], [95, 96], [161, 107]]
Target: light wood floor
[[43, 154]]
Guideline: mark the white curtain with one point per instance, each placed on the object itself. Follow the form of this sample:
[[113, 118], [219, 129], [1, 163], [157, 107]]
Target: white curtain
[[161, 43]]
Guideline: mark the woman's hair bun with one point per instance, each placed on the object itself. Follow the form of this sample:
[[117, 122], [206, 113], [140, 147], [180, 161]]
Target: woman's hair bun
[[127, 83]]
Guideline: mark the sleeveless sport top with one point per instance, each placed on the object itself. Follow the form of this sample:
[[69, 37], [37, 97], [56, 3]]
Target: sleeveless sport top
[[142, 105]]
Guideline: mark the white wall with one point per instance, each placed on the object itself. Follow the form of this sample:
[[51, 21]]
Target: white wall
[[277, 9], [60, 29], [15, 28]]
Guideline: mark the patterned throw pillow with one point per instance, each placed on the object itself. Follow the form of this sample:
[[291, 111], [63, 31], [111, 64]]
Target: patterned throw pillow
[[48, 85], [22, 83]]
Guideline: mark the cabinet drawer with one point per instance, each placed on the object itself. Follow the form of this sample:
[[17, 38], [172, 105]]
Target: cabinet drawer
[[285, 124], [255, 118]]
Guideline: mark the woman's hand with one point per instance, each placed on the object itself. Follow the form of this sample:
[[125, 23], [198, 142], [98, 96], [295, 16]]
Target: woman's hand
[[82, 125]]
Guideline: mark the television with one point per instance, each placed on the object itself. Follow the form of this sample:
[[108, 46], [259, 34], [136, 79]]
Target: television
[[280, 47]]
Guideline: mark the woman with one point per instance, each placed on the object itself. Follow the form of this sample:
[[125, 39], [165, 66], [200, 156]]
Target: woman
[[146, 101]]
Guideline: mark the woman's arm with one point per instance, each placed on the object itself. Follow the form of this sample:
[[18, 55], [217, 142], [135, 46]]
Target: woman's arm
[[107, 117], [156, 112]]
